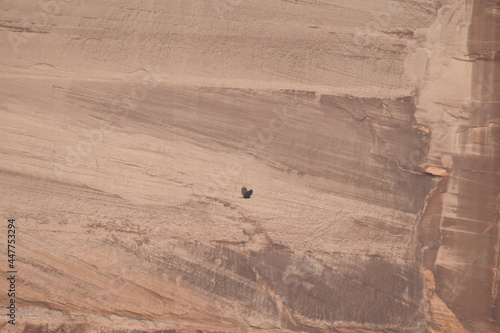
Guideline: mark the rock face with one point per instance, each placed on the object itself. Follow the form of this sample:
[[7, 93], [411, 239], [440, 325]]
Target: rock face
[[368, 130], [459, 230]]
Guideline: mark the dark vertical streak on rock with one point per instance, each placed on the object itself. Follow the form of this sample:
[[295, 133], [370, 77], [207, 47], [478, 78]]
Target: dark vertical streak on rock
[[459, 230]]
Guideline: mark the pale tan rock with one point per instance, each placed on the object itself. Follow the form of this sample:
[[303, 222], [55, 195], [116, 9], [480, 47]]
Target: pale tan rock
[[441, 317], [433, 170], [129, 128], [447, 161]]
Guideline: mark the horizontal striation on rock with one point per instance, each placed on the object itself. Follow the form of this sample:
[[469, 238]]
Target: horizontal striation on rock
[[367, 130]]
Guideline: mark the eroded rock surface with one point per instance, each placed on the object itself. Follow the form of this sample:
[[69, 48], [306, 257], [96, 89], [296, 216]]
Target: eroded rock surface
[[368, 131]]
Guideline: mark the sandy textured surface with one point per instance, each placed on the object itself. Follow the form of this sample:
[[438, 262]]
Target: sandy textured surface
[[368, 130]]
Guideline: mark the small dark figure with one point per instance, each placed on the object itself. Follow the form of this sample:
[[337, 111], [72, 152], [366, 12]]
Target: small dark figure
[[246, 193]]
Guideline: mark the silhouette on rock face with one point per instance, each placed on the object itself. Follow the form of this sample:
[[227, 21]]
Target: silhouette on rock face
[[246, 193]]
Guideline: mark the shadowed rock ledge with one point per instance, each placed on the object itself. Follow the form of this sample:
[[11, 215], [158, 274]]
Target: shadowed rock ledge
[[372, 149]]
